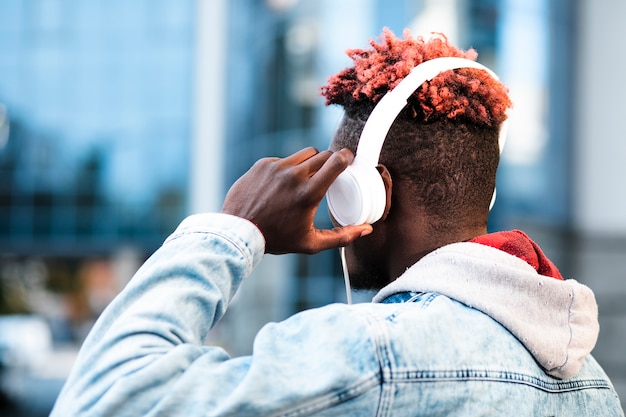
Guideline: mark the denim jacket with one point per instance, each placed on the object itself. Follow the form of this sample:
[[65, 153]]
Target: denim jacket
[[437, 341]]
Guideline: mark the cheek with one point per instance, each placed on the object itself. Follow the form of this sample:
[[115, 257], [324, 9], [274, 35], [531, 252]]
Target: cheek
[[363, 252], [351, 259], [366, 266]]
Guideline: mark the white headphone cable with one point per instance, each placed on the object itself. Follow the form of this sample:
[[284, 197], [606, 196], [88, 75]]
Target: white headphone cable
[[346, 276]]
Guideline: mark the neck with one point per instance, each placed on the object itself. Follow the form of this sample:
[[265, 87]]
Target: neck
[[415, 238]]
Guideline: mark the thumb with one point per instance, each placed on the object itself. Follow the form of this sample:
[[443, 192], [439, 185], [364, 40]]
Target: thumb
[[340, 236]]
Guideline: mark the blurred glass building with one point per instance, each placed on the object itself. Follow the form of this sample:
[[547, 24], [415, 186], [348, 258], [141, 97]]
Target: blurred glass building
[[119, 118], [96, 99]]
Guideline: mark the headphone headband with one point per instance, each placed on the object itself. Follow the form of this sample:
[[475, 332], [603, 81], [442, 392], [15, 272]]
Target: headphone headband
[[384, 114]]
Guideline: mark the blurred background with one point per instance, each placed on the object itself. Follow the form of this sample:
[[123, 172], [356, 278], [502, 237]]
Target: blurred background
[[118, 118]]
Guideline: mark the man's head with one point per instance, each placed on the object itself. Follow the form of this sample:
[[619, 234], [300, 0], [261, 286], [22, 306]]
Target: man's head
[[441, 153]]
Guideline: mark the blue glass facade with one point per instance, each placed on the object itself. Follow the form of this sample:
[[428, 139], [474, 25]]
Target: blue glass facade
[[98, 99]]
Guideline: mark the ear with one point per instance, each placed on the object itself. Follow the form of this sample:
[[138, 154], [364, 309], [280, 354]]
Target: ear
[[386, 176]]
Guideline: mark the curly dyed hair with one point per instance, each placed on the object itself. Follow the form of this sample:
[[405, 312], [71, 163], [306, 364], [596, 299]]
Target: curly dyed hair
[[444, 144]]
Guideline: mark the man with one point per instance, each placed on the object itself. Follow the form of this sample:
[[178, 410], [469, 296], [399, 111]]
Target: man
[[465, 322]]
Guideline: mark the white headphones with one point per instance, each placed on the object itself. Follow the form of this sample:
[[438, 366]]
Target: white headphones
[[358, 196]]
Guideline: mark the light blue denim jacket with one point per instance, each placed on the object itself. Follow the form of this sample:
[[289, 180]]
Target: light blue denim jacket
[[419, 351]]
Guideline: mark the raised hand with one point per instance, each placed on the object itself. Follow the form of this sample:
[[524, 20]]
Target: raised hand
[[281, 196]]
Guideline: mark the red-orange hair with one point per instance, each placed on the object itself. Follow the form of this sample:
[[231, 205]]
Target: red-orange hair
[[467, 95]]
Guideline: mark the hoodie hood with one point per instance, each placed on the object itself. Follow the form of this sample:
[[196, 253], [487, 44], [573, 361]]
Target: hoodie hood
[[516, 242], [556, 320]]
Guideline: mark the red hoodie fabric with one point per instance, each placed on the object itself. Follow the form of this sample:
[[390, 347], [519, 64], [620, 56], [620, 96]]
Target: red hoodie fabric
[[517, 243]]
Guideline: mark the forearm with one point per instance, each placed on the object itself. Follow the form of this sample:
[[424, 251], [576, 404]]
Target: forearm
[[173, 301]]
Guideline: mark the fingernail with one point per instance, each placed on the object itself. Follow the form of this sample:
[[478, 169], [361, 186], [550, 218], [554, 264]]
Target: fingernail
[[347, 152], [366, 232]]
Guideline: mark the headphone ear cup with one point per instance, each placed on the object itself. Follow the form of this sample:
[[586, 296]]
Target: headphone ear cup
[[357, 196]]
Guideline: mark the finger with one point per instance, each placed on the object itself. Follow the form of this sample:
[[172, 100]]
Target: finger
[[335, 165], [313, 164], [338, 237], [300, 156]]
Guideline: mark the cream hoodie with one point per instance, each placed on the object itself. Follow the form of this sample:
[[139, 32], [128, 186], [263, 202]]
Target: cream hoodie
[[557, 321]]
